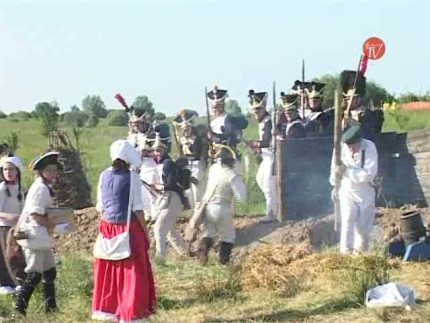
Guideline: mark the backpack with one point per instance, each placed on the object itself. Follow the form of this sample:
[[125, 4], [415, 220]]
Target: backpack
[[184, 178], [184, 174]]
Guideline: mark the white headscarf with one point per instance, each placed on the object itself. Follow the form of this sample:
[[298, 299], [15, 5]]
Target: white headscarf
[[14, 160], [122, 149]]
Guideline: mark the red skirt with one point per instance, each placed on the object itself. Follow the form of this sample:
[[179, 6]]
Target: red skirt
[[125, 288]]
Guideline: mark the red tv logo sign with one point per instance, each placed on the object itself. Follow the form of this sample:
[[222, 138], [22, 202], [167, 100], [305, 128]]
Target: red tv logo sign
[[374, 48]]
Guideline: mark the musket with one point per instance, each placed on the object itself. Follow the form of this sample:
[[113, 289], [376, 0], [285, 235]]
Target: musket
[[208, 116], [303, 89], [181, 153], [274, 112], [148, 187], [337, 155]]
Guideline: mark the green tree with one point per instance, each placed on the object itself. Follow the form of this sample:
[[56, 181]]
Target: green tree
[[142, 104], [93, 104], [117, 118], [12, 141], [74, 108], [232, 107], [23, 115], [3, 115], [92, 121], [408, 97], [48, 114], [76, 118]]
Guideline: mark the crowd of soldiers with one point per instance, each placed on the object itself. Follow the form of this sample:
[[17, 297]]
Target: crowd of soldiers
[[202, 147]]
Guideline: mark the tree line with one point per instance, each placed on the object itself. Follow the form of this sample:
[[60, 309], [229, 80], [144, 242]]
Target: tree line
[[93, 108]]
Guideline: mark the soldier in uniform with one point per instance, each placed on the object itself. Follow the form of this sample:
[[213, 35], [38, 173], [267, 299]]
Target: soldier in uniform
[[299, 88], [265, 177], [162, 127], [168, 202], [225, 129], [289, 125], [317, 122], [142, 137], [224, 186], [192, 147], [370, 121]]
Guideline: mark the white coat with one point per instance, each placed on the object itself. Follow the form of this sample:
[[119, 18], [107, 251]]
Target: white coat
[[357, 196]]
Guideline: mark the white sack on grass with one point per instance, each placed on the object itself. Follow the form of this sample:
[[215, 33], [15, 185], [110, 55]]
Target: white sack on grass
[[390, 295]]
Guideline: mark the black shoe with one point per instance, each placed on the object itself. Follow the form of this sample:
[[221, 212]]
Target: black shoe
[[204, 248], [225, 252], [27, 289], [49, 290]]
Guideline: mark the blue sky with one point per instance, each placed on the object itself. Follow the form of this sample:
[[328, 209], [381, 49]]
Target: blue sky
[[169, 50]]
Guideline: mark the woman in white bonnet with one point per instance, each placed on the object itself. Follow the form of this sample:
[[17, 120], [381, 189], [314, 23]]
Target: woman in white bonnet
[[124, 289], [11, 205]]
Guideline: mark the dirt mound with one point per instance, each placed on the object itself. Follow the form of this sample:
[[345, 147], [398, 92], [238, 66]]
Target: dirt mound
[[85, 234], [250, 234]]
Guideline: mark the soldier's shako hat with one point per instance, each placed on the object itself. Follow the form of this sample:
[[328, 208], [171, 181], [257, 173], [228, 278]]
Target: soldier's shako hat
[[140, 114], [216, 96], [289, 101], [347, 79], [49, 158], [257, 100], [158, 142], [315, 90], [160, 116], [299, 86], [225, 153], [351, 135], [185, 118]]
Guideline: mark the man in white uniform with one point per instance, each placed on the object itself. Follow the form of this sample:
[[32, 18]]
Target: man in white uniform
[[265, 177], [224, 185], [192, 148], [225, 129], [356, 194], [141, 136]]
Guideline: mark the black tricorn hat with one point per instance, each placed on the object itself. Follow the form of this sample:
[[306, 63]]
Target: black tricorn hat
[[347, 79], [257, 100], [288, 101], [49, 158], [216, 96], [299, 86], [185, 117], [315, 89]]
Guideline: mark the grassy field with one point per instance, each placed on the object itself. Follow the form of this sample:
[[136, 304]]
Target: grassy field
[[188, 292]]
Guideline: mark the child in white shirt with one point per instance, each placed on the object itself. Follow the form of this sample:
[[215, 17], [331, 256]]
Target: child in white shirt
[[35, 225]]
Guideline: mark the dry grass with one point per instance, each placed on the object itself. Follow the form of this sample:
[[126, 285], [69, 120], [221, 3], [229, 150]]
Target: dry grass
[[188, 292]]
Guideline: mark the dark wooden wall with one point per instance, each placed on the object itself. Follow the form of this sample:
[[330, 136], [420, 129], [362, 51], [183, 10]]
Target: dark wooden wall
[[304, 188]]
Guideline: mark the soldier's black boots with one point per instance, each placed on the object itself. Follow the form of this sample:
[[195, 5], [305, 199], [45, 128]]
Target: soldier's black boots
[[204, 248], [26, 291], [49, 290], [225, 252]]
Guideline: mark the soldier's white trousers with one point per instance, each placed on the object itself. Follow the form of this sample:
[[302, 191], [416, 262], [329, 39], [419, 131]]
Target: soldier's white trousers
[[148, 174], [198, 171], [164, 227], [218, 221], [266, 182], [357, 210]]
